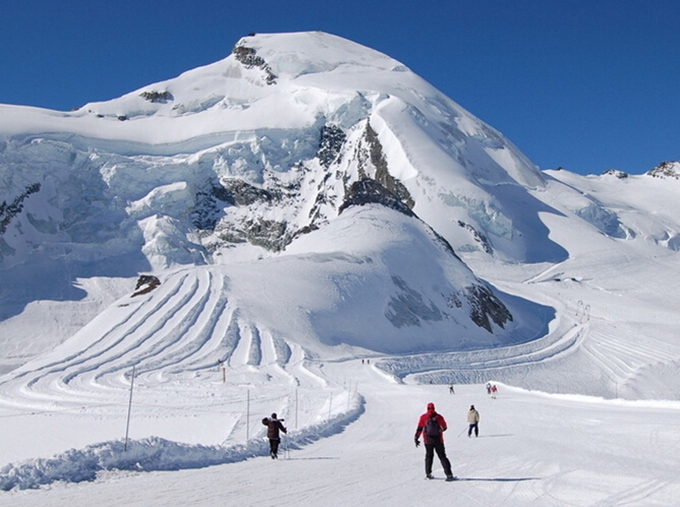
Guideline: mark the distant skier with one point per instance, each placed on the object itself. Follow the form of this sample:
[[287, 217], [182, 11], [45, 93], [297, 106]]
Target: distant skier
[[274, 425], [432, 426], [488, 388], [473, 420], [451, 391], [494, 390]]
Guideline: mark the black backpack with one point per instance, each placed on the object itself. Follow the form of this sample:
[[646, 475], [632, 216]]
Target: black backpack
[[433, 430]]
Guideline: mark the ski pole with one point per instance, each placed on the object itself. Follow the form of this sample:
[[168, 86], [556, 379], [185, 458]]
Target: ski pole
[[459, 434]]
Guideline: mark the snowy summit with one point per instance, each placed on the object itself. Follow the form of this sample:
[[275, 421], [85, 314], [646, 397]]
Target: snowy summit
[[309, 228]]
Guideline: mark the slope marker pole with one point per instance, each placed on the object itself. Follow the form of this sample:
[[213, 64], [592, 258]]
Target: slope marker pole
[[127, 427], [248, 417]]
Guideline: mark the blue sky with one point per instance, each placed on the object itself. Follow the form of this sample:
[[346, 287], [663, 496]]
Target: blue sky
[[585, 85]]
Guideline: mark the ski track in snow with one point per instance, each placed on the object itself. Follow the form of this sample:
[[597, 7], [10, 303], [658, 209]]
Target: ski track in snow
[[181, 329], [179, 336], [176, 337]]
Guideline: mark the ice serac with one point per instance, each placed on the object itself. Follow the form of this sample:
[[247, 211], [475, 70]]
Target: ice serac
[[268, 154]]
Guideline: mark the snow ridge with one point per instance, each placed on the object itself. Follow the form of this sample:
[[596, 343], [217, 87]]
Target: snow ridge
[[159, 454]]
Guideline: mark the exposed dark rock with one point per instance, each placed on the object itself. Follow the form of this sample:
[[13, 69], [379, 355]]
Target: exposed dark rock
[[614, 172], [484, 305], [249, 57], [443, 242], [306, 230], [268, 234], [477, 236], [453, 301], [11, 210], [382, 174], [145, 284], [154, 96], [666, 170], [231, 235], [368, 191], [207, 211], [330, 144], [239, 193]]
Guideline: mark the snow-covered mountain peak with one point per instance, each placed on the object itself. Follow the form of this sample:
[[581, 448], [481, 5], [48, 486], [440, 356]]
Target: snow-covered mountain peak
[[295, 54], [248, 75], [666, 170], [299, 205], [259, 159]]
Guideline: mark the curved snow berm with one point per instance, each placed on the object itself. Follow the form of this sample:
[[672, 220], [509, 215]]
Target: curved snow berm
[[266, 157], [157, 454]]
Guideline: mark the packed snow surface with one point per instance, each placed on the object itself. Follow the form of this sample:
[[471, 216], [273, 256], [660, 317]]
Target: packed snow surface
[[346, 323]]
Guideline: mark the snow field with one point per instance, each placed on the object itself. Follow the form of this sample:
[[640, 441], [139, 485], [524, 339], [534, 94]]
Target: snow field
[[533, 449], [216, 348]]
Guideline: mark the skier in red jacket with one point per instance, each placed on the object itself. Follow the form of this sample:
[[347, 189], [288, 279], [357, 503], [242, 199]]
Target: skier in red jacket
[[432, 426]]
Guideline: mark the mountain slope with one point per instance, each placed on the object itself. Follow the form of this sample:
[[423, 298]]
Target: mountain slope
[[244, 158], [309, 228], [343, 195]]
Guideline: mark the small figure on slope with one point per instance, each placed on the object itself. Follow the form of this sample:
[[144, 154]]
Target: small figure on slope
[[274, 425], [432, 426], [473, 420]]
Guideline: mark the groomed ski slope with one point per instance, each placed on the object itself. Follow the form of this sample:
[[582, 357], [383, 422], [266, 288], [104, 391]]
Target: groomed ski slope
[[533, 449], [351, 442]]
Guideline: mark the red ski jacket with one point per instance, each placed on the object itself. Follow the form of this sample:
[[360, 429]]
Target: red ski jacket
[[423, 421]]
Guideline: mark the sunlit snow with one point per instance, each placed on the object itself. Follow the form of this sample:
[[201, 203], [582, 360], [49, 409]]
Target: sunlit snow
[[348, 322]]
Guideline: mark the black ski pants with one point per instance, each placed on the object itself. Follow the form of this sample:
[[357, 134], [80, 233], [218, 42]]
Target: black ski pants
[[473, 427], [274, 446], [439, 448]]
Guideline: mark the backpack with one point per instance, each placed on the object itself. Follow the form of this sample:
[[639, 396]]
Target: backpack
[[432, 428]]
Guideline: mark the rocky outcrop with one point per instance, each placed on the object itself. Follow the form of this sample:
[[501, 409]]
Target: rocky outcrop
[[479, 238], [666, 170], [369, 191], [330, 145], [615, 172], [484, 305], [409, 308], [145, 284], [249, 57], [155, 96], [11, 210], [239, 193], [377, 159]]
